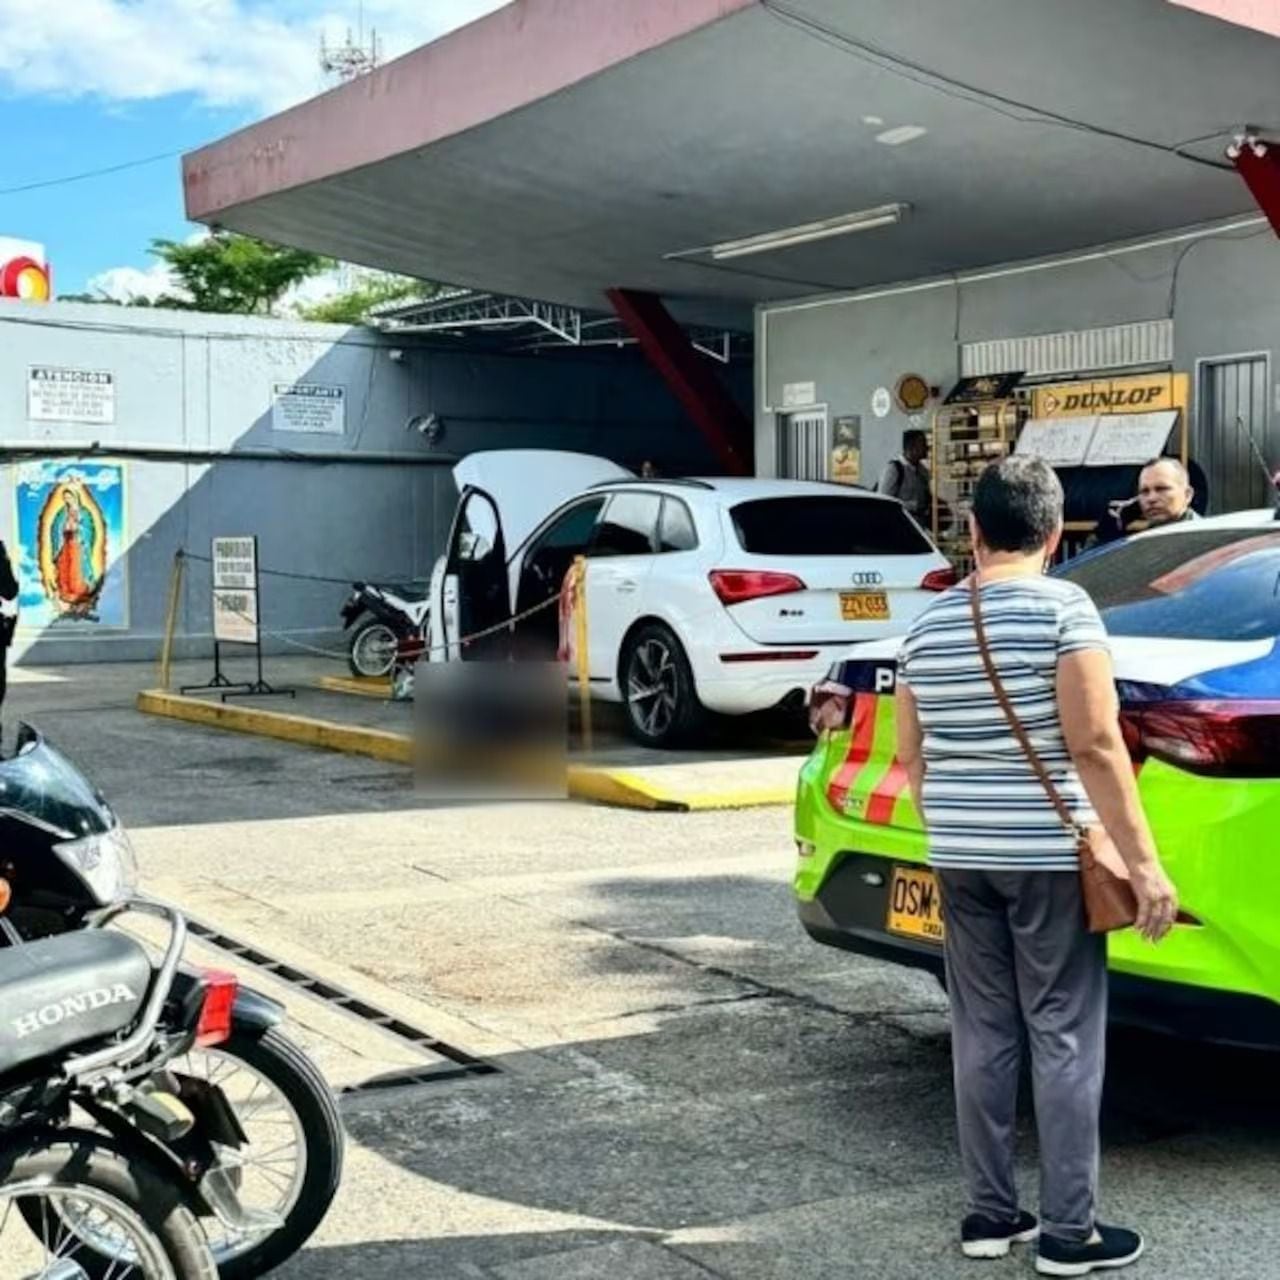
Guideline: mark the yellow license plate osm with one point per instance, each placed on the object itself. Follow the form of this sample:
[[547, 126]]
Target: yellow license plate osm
[[915, 904], [864, 606]]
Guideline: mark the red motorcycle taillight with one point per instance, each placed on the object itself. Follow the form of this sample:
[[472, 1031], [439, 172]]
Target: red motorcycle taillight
[[736, 586], [220, 991], [829, 706], [1222, 738]]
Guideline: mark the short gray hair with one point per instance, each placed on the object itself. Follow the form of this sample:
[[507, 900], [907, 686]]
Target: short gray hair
[[1018, 504], [1175, 463]]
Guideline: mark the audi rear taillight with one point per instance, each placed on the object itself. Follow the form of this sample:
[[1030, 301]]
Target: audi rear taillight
[[1219, 737], [736, 586], [829, 706], [939, 579], [220, 990]]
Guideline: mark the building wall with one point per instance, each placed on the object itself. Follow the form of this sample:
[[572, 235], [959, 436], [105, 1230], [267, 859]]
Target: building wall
[[1220, 288], [197, 383]]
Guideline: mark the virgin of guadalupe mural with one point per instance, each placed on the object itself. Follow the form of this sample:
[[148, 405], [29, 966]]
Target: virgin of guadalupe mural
[[73, 549], [71, 534]]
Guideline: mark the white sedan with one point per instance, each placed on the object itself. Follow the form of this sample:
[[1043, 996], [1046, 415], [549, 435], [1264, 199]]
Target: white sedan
[[723, 595]]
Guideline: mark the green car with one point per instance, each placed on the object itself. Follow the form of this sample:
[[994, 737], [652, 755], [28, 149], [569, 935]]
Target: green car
[[1194, 615]]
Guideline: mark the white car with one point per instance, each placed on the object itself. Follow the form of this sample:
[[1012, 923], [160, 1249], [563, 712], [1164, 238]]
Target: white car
[[722, 595]]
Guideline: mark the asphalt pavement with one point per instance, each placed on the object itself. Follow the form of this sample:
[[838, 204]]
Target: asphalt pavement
[[686, 1086]]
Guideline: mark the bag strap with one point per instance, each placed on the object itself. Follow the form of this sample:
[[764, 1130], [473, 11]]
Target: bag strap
[[1002, 697]]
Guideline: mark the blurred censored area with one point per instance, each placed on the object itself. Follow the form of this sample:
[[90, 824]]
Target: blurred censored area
[[491, 730]]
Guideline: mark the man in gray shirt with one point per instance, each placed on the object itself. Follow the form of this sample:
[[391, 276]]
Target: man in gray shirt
[[907, 478]]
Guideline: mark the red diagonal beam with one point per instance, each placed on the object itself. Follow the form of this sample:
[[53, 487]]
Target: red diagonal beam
[[694, 384], [1262, 176]]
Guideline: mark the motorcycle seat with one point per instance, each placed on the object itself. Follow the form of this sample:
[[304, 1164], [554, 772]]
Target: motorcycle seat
[[66, 991]]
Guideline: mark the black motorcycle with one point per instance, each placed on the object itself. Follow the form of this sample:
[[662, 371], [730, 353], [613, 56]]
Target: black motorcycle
[[65, 859], [90, 1027], [389, 617]]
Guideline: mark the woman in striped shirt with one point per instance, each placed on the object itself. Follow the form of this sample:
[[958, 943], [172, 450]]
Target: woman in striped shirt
[[1021, 966]]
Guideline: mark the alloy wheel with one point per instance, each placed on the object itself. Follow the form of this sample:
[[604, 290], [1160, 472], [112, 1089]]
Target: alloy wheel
[[653, 688]]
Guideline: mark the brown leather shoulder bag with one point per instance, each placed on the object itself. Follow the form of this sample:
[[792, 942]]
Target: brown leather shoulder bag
[[1109, 901]]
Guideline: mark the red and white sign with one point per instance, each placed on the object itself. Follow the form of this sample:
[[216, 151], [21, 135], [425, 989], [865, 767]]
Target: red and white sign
[[24, 271]]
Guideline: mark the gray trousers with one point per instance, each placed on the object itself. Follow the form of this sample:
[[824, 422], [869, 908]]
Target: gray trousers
[[1022, 971]]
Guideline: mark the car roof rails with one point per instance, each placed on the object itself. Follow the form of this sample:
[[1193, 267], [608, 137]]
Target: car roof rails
[[683, 481]]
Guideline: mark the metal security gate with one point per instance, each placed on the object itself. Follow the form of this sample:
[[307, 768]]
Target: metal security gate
[[804, 445], [1231, 408]]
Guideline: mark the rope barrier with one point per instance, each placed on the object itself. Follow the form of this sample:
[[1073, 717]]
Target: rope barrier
[[283, 573], [424, 651]]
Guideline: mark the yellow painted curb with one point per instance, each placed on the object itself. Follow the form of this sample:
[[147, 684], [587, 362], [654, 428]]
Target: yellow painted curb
[[614, 787], [625, 790], [362, 686], [305, 730]]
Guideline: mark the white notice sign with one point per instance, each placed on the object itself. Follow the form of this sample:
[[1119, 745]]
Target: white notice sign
[[71, 395], [1061, 442], [308, 408], [235, 590], [235, 616], [1127, 439], [798, 395]]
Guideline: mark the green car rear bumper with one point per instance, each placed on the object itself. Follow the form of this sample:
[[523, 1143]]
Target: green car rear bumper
[[1217, 979]]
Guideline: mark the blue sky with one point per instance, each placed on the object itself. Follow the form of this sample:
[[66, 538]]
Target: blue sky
[[87, 84]]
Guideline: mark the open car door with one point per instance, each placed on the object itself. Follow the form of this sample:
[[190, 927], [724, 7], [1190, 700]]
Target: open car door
[[504, 495]]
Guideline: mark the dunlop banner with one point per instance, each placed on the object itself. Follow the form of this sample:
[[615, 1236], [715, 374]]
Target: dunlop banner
[[1142, 394]]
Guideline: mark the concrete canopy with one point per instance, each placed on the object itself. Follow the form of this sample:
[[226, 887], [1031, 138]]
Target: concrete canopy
[[560, 147]]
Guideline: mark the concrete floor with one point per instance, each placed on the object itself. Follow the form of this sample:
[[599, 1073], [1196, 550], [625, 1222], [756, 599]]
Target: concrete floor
[[690, 1088]]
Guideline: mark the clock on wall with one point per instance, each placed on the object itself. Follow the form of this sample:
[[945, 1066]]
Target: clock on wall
[[912, 393]]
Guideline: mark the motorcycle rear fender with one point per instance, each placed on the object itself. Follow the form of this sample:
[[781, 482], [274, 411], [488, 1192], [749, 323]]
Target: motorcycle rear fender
[[253, 1013]]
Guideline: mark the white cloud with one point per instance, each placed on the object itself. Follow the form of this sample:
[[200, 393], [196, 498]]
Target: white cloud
[[126, 284], [254, 54], [105, 479]]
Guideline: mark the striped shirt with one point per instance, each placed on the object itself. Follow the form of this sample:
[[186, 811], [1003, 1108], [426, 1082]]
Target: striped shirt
[[984, 806]]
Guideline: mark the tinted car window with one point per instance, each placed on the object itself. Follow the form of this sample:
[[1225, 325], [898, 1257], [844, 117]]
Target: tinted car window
[[826, 526], [572, 530], [628, 525], [676, 531], [1210, 584]]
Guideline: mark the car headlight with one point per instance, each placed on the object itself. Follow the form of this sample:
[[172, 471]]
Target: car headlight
[[105, 862]]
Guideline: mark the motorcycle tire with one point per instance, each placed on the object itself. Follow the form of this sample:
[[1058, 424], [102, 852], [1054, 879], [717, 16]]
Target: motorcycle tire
[[82, 1164], [275, 1057], [372, 652]]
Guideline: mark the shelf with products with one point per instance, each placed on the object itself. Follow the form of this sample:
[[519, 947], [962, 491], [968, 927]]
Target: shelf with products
[[966, 438]]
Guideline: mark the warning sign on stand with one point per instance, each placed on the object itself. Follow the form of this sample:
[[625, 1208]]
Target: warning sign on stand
[[235, 590], [71, 395]]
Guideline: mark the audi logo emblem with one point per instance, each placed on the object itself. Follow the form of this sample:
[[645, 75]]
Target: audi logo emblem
[[871, 578]]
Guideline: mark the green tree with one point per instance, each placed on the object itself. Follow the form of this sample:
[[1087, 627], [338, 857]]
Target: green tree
[[354, 306], [234, 274]]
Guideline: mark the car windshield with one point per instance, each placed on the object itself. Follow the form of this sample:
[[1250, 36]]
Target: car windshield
[[826, 526], [1202, 584], [42, 783]]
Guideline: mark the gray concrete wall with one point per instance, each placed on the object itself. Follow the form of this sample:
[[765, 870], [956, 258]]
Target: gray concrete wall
[[195, 382], [1223, 293]]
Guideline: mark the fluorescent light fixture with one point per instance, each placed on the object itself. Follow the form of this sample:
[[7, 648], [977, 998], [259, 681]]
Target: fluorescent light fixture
[[903, 133], [885, 215]]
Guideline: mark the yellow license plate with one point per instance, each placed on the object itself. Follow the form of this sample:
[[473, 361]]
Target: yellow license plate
[[864, 606], [915, 904]]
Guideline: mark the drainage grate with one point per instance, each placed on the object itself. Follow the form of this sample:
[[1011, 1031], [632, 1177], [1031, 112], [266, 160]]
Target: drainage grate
[[459, 1065]]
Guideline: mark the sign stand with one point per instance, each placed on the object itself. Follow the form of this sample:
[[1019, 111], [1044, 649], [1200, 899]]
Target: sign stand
[[236, 593]]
